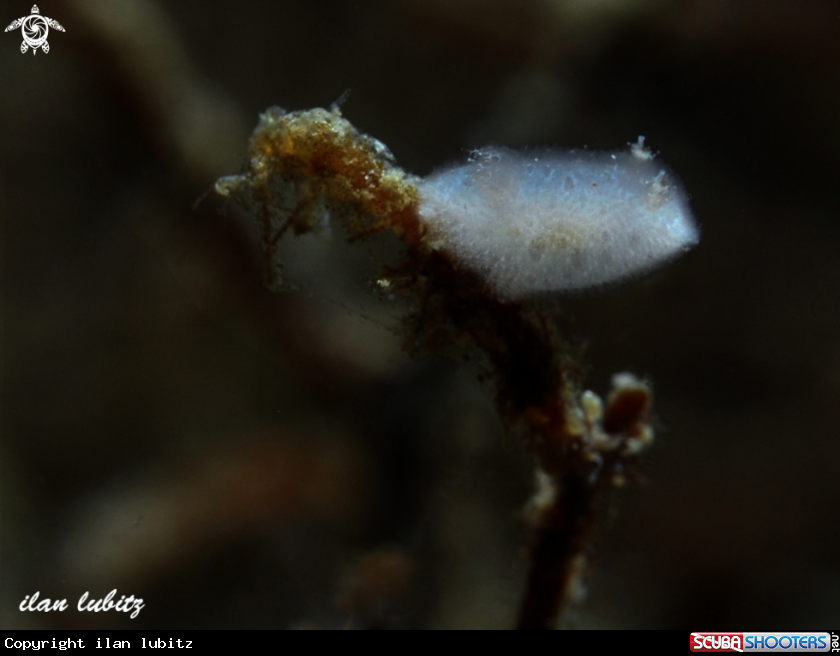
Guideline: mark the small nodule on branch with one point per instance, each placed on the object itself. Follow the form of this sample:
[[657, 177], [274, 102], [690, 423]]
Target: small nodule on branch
[[480, 240]]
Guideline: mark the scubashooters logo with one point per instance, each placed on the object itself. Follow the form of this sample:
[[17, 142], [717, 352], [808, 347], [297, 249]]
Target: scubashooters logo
[[35, 29], [755, 642]]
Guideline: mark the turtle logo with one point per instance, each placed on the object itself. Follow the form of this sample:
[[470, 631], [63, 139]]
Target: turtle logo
[[34, 29]]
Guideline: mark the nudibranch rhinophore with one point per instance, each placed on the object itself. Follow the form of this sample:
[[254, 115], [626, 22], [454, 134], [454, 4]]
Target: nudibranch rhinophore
[[549, 221]]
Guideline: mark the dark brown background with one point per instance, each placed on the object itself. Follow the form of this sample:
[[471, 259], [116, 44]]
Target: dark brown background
[[242, 459]]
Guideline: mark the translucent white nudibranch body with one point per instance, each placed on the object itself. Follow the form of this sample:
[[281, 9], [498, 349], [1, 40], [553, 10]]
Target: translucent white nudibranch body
[[534, 222]]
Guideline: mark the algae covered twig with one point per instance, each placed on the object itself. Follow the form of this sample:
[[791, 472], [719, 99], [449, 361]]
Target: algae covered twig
[[479, 241], [308, 169]]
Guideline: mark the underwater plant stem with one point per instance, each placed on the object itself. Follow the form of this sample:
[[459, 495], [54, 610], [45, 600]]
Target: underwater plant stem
[[561, 532], [309, 166]]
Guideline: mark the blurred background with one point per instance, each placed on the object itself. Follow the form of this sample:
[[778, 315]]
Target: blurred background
[[243, 459]]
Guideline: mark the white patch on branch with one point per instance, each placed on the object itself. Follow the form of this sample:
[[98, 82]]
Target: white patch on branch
[[548, 221]]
